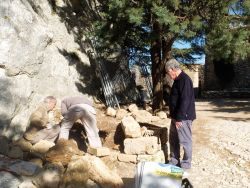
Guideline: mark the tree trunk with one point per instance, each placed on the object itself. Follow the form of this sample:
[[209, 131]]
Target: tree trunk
[[157, 102]]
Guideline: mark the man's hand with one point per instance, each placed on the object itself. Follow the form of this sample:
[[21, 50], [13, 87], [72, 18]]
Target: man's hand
[[178, 124]]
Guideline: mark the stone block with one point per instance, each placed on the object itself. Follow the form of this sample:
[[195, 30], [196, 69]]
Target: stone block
[[111, 112], [127, 158], [42, 146], [121, 113], [27, 184], [24, 168], [162, 115], [155, 119], [142, 116], [157, 157], [37, 161], [23, 144], [133, 108], [15, 152], [99, 152], [142, 145], [130, 127]]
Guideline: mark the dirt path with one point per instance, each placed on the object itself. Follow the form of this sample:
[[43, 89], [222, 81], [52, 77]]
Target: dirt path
[[221, 149]]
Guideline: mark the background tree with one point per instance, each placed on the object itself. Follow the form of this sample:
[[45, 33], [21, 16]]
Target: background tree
[[152, 27]]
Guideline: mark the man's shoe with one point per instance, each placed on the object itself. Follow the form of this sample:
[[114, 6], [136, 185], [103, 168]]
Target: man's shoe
[[185, 165]]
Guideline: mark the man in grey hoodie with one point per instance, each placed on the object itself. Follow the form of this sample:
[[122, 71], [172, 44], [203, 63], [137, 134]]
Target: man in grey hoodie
[[74, 108]]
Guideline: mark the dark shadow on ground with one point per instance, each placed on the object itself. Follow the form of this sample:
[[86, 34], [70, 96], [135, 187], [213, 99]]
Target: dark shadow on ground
[[78, 134], [128, 182], [119, 137], [229, 106]]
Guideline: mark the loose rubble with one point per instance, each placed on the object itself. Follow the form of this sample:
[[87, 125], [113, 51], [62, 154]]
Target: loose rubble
[[220, 153]]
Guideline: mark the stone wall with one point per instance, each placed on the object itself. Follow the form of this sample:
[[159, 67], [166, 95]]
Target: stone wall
[[193, 71], [240, 77]]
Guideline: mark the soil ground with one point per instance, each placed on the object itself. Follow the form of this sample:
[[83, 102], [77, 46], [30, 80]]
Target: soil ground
[[221, 144]]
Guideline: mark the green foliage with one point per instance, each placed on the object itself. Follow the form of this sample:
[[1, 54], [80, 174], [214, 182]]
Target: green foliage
[[127, 24], [230, 38], [135, 16], [164, 16]]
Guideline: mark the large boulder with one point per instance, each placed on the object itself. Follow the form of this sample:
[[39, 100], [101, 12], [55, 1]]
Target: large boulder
[[81, 169], [63, 151]]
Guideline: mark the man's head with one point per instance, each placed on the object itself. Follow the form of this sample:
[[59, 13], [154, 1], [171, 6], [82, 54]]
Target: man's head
[[172, 68], [50, 102]]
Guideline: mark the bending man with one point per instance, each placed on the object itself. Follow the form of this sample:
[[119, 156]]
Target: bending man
[[74, 108]]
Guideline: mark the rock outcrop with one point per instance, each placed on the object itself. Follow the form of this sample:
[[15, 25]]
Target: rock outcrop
[[39, 56]]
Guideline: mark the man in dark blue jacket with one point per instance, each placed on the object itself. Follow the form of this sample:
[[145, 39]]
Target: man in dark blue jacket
[[182, 113]]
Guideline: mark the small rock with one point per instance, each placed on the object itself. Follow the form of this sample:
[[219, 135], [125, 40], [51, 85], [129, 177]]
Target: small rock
[[23, 144], [91, 184], [127, 158], [130, 127], [121, 113], [37, 161], [49, 177], [15, 152], [99, 152], [161, 115], [142, 116], [24, 168], [157, 157], [42, 146], [142, 145], [27, 184], [111, 112], [155, 118], [133, 108]]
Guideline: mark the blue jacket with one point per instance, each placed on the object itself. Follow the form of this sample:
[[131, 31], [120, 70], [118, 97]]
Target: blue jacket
[[182, 102]]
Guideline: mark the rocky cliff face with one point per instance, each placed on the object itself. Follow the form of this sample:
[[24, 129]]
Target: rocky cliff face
[[39, 56]]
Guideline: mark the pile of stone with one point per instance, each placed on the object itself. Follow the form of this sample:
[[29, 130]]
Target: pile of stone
[[52, 165], [140, 127]]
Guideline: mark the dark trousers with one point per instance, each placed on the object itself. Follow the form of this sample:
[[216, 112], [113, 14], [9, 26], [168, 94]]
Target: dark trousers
[[181, 137]]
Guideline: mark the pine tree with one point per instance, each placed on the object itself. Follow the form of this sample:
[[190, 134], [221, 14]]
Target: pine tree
[[152, 26]]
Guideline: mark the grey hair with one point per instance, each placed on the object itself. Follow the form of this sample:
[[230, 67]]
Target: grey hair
[[172, 64], [49, 99]]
